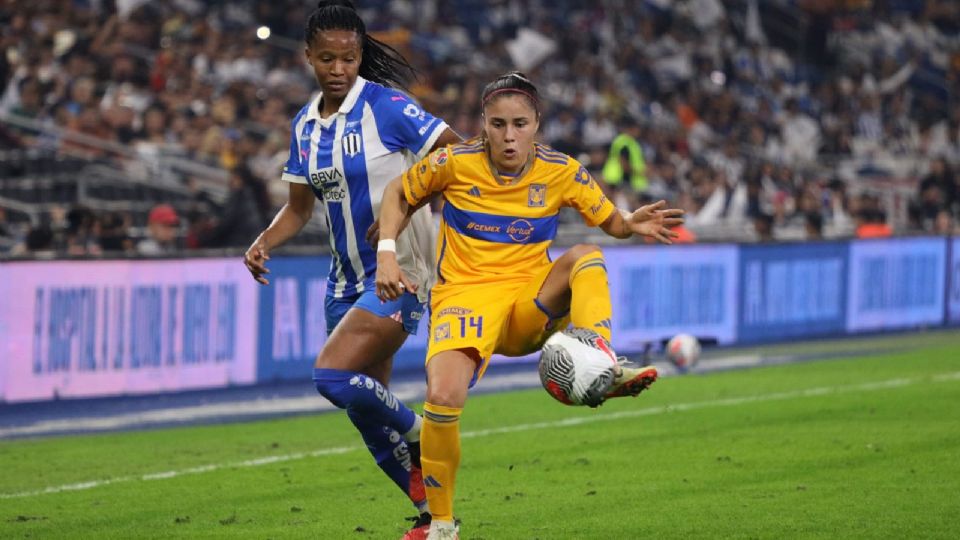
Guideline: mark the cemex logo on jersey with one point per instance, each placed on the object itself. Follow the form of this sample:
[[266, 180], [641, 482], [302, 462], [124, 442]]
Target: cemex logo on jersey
[[329, 182]]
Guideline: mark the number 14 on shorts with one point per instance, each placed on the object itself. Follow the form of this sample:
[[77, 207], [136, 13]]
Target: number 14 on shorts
[[471, 322]]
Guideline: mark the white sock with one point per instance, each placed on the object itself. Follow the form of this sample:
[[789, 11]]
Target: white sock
[[414, 434], [438, 525]]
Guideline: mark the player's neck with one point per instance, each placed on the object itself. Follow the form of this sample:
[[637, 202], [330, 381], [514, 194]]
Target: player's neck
[[508, 175], [328, 107]]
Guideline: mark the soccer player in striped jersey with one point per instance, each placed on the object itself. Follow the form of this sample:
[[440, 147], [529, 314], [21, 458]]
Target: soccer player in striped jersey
[[345, 147], [497, 290]]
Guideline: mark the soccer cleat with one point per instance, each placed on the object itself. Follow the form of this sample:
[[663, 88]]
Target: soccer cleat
[[420, 529], [444, 530], [632, 379], [417, 493]]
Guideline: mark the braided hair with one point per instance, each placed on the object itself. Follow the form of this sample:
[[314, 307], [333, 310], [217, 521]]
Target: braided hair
[[513, 82], [381, 63]]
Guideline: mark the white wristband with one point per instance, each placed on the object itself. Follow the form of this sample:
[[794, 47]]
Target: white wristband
[[387, 245]]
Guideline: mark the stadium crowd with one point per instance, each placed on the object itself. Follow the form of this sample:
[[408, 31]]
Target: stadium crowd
[[785, 119]]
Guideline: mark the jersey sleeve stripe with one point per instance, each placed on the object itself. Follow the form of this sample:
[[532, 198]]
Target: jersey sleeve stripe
[[550, 159], [295, 178], [500, 229], [432, 139]]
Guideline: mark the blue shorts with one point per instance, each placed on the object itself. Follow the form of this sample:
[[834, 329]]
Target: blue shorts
[[407, 309]]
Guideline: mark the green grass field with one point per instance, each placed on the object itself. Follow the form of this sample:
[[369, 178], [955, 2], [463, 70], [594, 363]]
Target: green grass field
[[855, 448]]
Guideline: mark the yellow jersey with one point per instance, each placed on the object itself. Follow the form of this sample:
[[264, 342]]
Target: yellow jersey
[[493, 230]]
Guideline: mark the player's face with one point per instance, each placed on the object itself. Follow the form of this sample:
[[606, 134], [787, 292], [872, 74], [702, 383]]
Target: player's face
[[511, 124], [335, 56]]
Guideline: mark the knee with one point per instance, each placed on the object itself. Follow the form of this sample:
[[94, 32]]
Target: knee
[[580, 251], [331, 390], [446, 396], [337, 386]]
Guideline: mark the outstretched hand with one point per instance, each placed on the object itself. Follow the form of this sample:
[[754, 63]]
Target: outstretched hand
[[655, 220], [255, 259], [391, 281]]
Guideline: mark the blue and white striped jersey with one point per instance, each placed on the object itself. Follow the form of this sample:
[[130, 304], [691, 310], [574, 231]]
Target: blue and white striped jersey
[[348, 159]]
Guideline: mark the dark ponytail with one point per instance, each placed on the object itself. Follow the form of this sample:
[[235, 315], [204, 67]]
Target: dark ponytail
[[513, 82], [381, 63]]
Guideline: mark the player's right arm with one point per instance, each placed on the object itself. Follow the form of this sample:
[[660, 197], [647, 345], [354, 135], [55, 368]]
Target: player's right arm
[[292, 217], [403, 196], [285, 225]]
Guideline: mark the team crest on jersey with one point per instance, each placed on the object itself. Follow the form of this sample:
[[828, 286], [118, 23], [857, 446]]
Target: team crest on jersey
[[441, 332], [352, 144], [440, 157], [537, 195]]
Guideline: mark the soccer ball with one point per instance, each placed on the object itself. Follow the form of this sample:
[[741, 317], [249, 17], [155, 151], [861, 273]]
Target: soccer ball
[[683, 350], [577, 367]]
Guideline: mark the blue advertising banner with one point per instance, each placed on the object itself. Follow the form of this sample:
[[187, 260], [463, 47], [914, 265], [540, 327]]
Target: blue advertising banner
[[896, 283], [953, 283], [792, 290], [291, 324], [659, 291]]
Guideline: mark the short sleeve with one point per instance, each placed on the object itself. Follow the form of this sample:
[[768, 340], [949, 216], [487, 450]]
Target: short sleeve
[[404, 125], [294, 170], [585, 195], [430, 175]]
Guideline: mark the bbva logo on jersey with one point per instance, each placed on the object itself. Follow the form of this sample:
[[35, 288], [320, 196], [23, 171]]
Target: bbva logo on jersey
[[352, 144]]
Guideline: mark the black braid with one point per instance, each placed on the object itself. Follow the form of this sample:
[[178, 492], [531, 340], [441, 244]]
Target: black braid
[[381, 62]]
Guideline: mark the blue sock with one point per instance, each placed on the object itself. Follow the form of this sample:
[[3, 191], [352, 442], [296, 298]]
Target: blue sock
[[357, 392], [388, 448], [379, 417]]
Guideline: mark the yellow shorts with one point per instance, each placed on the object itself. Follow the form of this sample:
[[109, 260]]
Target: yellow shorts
[[491, 319]]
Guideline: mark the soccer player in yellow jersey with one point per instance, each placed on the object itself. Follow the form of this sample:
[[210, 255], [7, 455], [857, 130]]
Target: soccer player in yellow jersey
[[497, 290]]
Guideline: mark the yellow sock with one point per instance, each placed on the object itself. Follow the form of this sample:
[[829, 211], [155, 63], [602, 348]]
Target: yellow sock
[[590, 298], [440, 457]]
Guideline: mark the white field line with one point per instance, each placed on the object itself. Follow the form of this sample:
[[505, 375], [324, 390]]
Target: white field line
[[650, 411]]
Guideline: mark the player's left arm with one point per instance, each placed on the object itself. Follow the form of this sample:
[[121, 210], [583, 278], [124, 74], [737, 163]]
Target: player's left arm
[[653, 220]]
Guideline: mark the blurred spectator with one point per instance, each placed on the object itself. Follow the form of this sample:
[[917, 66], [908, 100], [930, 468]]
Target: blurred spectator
[[763, 226], [625, 167], [872, 224], [813, 225], [938, 189], [243, 216], [39, 242], [7, 239], [82, 232], [800, 134], [944, 223], [113, 234], [162, 227]]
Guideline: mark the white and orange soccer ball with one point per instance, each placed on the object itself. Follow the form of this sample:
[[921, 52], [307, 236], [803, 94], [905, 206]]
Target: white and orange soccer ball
[[577, 367], [683, 351]]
